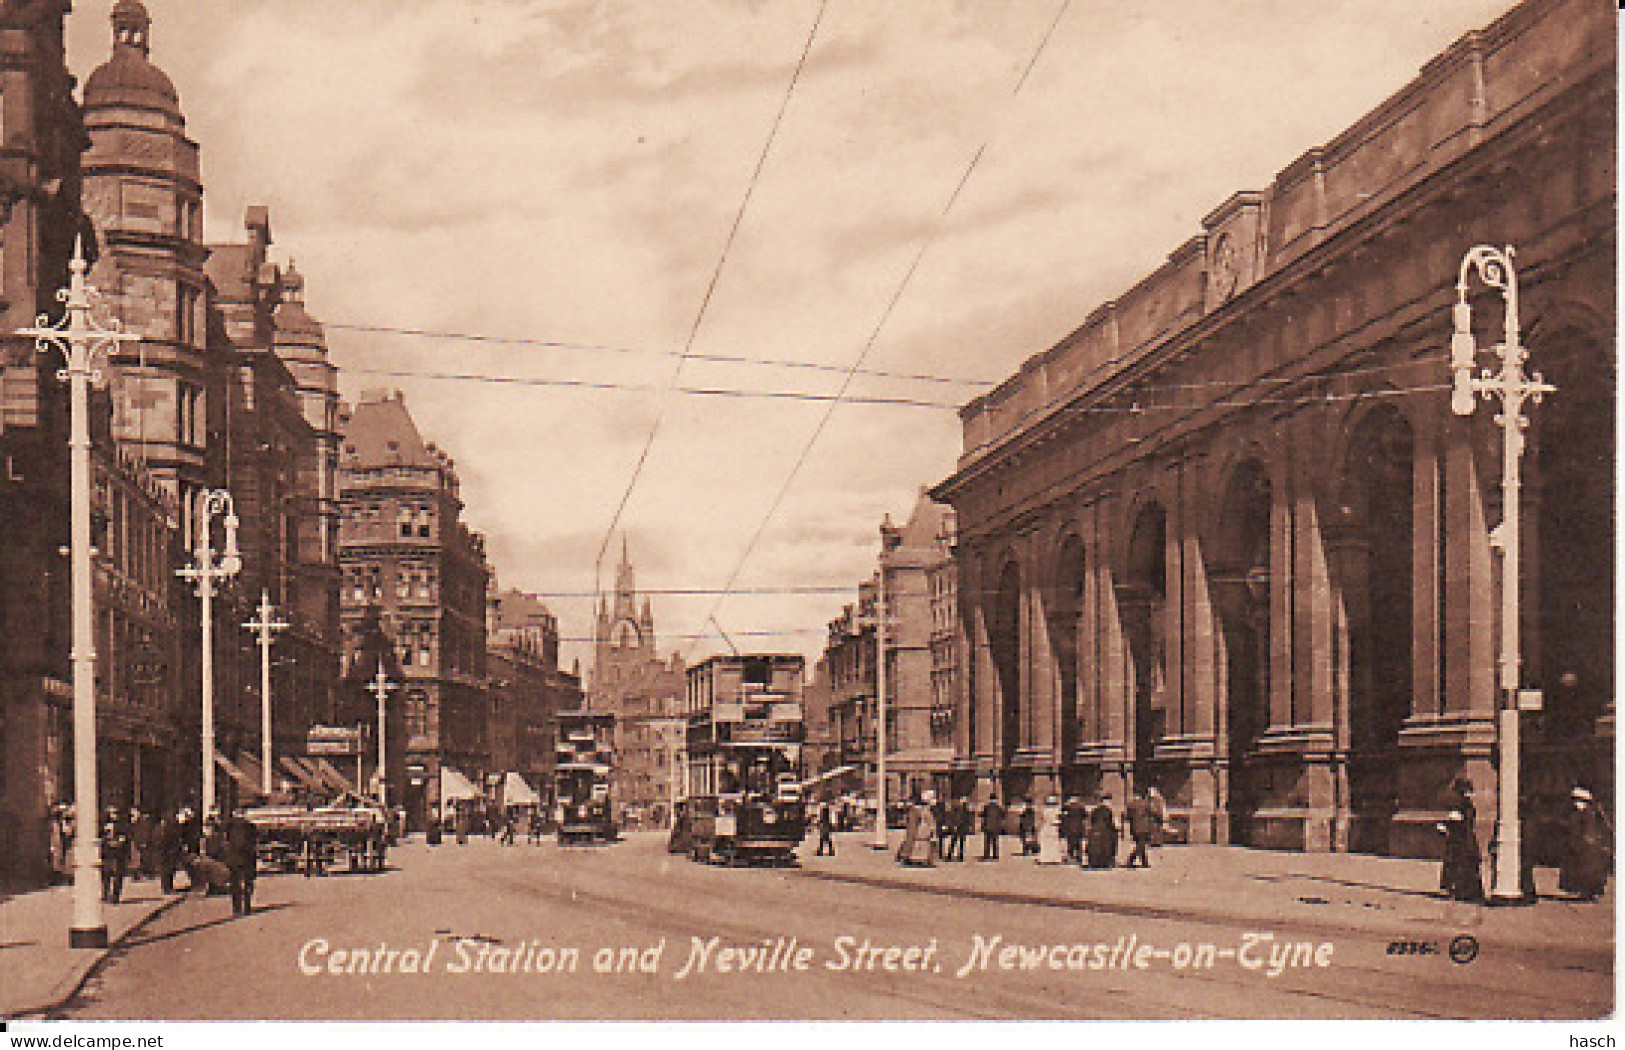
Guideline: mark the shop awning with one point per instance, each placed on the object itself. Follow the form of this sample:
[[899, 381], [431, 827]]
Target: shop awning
[[516, 792], [830, 774], [454, 787], [244, 782], [920, 760], [302, 776], [331, 775]]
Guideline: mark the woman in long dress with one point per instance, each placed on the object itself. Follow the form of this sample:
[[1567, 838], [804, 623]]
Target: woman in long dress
[[1459, 876], [919, 846], [1050, 848], [1585, 855]]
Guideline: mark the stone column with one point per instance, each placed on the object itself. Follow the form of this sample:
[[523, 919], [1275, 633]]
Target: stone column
[[1313, 621]]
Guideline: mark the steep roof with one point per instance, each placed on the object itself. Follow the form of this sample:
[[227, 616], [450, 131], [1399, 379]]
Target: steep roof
[[925, 522], [380, 432]]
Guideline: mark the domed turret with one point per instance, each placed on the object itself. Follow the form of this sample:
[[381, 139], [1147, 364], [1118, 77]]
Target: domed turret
[[294, 325], [129, 78]]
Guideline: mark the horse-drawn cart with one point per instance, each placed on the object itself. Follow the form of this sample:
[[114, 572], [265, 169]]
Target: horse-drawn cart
[[293, 837]]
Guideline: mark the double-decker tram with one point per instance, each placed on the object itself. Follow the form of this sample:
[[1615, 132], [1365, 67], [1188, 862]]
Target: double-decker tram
[[745, 730], [585, 760]]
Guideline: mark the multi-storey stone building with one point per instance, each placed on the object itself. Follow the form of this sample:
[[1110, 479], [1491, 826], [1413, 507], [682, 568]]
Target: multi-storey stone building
[[39, 219], [206, 399], [276, 464], [1228, 536], [920, 661], [527, 688], [414, 574]]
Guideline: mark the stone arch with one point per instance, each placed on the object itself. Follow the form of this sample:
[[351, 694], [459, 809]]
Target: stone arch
[[1064, 606], [1143, 591], [1569, 548], [1240, 557], [1370, 540]]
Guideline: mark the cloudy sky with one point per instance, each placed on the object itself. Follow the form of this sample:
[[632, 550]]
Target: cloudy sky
[[568, 175]]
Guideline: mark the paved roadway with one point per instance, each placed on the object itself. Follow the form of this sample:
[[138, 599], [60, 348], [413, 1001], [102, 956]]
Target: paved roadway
[[524, 903]]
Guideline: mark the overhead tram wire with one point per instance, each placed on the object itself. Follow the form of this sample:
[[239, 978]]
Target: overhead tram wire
[[710, 290], [874, 335], [726, 359], [696, 391]]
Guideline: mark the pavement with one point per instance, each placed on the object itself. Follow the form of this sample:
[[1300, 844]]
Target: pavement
[[38, 971], [1303, 891]]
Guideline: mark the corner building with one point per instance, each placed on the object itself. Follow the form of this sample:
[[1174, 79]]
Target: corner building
[[414, 583], [1228, 537]]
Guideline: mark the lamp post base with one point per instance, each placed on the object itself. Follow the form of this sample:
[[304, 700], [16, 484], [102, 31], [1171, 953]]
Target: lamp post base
[[94, 937], [1520, 900]]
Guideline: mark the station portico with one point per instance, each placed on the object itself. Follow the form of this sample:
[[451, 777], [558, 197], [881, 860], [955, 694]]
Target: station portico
[[1229, 539]]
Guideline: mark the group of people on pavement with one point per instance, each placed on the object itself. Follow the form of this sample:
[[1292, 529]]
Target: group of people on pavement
[[219, 856], [937, 830], [1585, 850]]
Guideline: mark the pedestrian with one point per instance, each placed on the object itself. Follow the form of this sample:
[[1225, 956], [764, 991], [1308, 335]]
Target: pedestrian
[[115, 846], [141, 845], [959, 826], [992, 827], [167, 842], [1159, 813], [462, 821], [1102, 845], [1586, 847], [314, 848], [945, 832], [1460, 876], [508, 822], [1050, 849], [533, 827], [826, 829], [919, 846], [242, 860], [1142, 828], [1074, 818], [1027, 828]]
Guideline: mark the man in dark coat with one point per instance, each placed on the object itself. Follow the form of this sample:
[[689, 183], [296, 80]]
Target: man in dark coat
[[1103, 834], [167, 842], [1584, 870], [1073, 818], [826, 831], [940, 810], [992, 827], [242, 842], [959, 826], [1027, 828], [1142, 828], [115, 856]]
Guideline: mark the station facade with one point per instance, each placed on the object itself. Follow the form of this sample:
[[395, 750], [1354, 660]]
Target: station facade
[[1228, 537]]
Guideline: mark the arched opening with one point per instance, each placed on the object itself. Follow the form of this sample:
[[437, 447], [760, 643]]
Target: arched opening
[[1568, 567], [1373, 553], [1004, 639], [1065, 619], [1144, 596], [1241, 585]]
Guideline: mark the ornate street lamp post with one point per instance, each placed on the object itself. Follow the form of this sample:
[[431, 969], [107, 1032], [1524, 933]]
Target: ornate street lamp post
[[1514, 388], [264, 626], [206, 572], [81, 341], [381, 687]]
